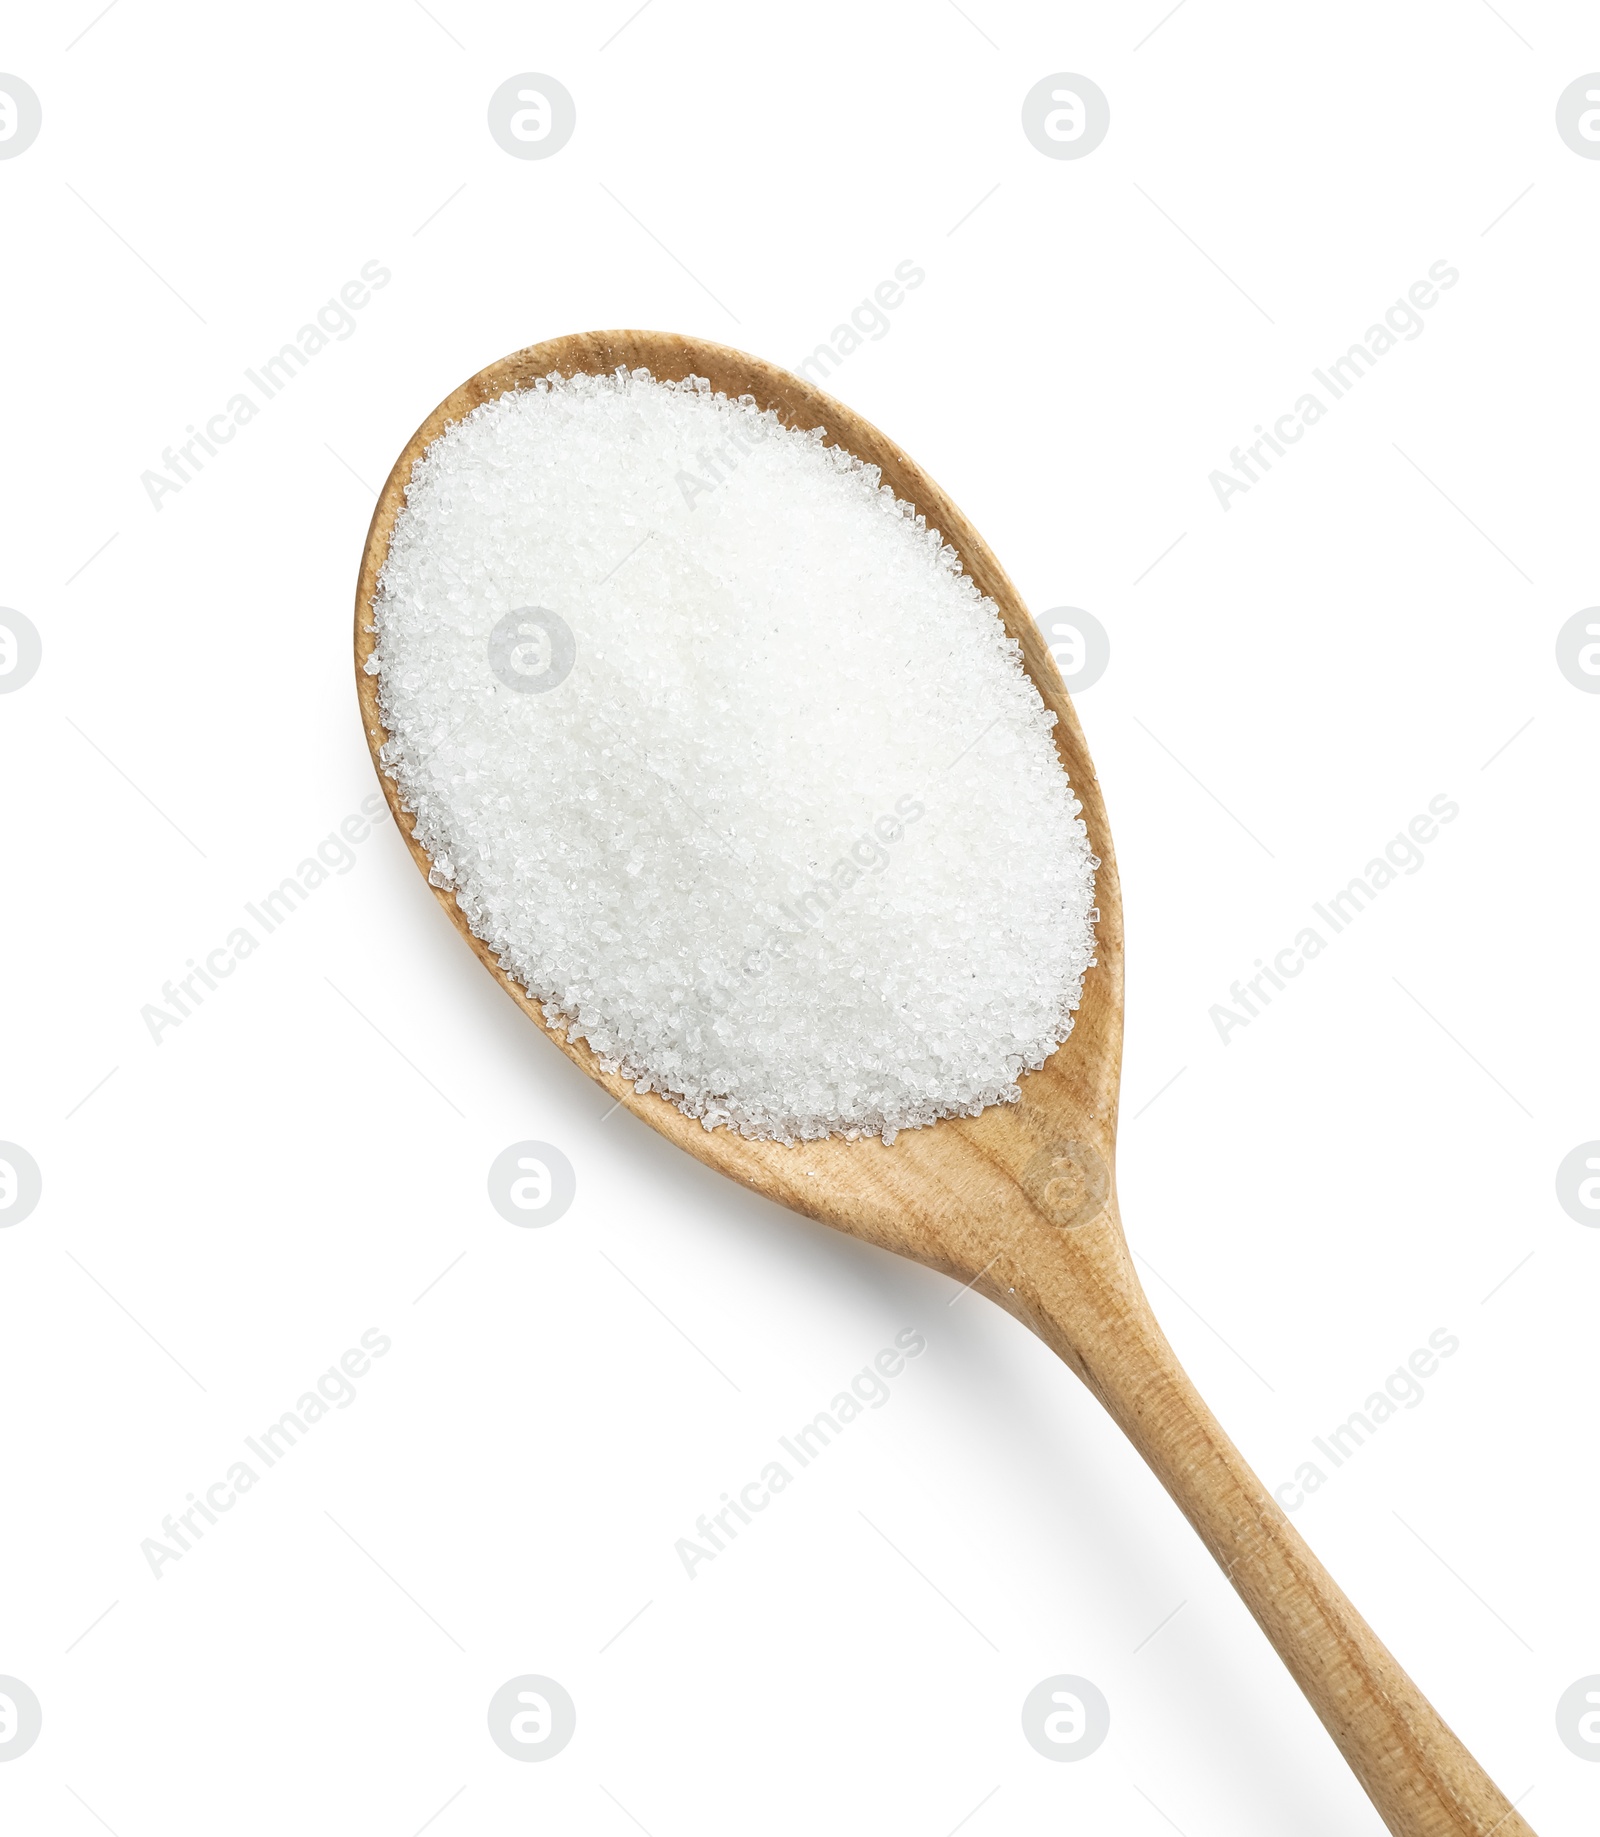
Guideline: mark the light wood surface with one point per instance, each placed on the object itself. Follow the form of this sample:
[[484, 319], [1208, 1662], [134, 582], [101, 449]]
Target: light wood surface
[[1021, 1200]]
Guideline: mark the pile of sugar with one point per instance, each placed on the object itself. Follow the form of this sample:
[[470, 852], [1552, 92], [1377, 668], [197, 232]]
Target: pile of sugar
[[729, 761]]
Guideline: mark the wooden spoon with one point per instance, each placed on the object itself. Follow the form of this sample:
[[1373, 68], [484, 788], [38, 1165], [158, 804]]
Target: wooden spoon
[[1020, 1201]]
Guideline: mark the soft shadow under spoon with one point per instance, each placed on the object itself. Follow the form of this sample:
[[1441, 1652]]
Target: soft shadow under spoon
[[1021, 1200]]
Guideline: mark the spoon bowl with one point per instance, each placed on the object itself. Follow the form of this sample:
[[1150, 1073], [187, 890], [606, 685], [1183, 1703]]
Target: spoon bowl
[[1020, 1201]]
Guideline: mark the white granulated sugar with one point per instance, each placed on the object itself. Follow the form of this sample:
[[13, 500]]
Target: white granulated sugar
[[753, 793]]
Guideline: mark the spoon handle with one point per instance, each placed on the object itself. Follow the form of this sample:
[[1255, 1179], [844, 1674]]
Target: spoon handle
[[1415, 1770]]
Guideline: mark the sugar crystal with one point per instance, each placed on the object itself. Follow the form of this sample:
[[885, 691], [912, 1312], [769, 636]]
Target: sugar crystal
[[729, 762]]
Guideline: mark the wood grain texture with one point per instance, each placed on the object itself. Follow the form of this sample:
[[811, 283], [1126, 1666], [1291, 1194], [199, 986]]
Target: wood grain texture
[[1020, 1201]]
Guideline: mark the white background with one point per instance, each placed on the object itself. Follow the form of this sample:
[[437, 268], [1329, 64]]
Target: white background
[[228, 1211]]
